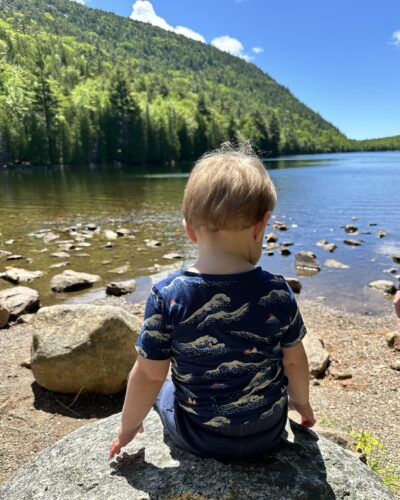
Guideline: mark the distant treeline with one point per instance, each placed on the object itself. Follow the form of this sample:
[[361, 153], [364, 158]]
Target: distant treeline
[[79, 85]]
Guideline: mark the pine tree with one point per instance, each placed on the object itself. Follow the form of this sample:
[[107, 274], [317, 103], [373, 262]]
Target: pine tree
[[275, 135]]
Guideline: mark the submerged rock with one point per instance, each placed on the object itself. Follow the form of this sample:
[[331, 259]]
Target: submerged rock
[[19, 300], [328, 247], [381, 233], [384, 286], [350, 228], [280, 226], [72, 280], [87, 348], [119, 270], [172, 255], [396, 258], [303, 465], [110, 235], [353, 243], [153, 243], [336, 264]]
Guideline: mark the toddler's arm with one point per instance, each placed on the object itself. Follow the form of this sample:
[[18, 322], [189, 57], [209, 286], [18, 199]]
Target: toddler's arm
[[295, 364]]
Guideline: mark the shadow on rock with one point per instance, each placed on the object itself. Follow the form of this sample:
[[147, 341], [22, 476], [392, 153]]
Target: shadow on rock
[[293, 467], [80, 406]]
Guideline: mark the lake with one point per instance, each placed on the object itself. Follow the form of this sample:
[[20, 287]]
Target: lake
[[317, 195]]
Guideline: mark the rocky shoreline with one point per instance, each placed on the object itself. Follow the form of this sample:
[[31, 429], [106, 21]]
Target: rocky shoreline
[[357, 389]]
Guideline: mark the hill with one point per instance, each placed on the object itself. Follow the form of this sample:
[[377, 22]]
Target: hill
[[79, 85]]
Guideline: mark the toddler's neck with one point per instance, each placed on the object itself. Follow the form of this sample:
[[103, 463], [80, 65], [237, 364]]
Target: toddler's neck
[[220, 262]]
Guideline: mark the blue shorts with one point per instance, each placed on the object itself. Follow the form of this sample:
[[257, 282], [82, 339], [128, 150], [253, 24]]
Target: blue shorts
[[244, 441]]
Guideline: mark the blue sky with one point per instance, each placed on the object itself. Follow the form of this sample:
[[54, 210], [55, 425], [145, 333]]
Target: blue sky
[[341, 58]]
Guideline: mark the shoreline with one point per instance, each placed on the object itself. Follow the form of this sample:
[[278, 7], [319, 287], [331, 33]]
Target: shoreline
[[32, 418]]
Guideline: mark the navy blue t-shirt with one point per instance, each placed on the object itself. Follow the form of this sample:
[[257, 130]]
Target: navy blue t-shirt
[[224, 336]]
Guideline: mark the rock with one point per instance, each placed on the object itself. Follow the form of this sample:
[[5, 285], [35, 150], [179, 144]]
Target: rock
[[25, 318], [336, 264], [121, 287], [350, 228], [354, 217], [271, 237], [14, 257], [307, 260], [16, 274], [60, 264], [153, 243], [87, 348], [391, 270], [9, 242], [4, 316], [120, 269], [71, 280], [384, 286], [285, 251], [341, 438], [109, 245], [328, 247], [294, 284], [47, 238], [281, 226], [287, 244], [26, 363], [5, 253], [110, 235], [121, 231], [395, 365], [353, 243], [396, 259], [172, 256], [19, 300], [272, 246], [91, 226], [381, 233], [269, 253], [318, 357], [106, 262], [303, 465], [339, 374], [372, 224], [393, 340], [60, 255]]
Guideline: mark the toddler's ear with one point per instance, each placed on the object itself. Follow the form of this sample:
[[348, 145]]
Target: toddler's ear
[[261, 225], [189, 232]]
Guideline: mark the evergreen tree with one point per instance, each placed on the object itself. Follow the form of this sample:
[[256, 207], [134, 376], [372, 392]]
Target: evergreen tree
[[274, 134], [263, 142]]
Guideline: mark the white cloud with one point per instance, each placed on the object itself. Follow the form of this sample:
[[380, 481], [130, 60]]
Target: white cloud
[[257, 50], [143, 10], [396, 38], [181, 30], [83, 2], [231, 45]]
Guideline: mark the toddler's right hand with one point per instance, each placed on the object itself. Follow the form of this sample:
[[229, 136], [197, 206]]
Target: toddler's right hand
[[305, 411]]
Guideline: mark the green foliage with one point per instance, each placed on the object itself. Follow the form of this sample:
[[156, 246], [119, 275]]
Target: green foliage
[[373, 449], [79, 85]]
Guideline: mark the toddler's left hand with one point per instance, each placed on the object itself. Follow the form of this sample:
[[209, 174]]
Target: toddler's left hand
[[122, 440]]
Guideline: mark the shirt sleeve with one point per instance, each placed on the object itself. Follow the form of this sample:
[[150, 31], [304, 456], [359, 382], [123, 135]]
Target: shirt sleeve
[[154, 341], [296, 329]]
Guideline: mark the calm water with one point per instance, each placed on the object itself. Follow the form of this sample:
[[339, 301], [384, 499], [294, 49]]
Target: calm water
[[317, 195]]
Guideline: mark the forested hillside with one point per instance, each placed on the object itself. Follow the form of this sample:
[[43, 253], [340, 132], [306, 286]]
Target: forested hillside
[[79, 85]]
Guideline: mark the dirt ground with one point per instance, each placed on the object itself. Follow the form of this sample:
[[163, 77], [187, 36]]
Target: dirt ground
[[32, 418]]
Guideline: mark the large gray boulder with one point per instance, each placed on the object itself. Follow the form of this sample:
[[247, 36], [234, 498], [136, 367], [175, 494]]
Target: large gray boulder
[[302, 466], [83, 347]]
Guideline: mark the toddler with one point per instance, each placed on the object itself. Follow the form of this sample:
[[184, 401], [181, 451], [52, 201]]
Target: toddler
[[231, 331]]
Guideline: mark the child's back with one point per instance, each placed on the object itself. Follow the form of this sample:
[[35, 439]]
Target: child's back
[[224, 335]]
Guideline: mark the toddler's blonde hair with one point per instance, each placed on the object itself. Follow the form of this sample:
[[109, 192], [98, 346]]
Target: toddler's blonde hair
[[229, 188]]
